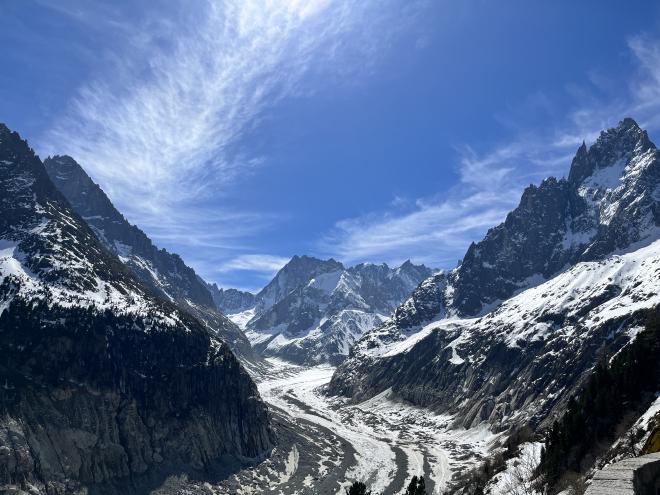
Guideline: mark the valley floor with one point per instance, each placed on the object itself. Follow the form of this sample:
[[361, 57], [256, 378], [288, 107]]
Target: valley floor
[[329, 443]]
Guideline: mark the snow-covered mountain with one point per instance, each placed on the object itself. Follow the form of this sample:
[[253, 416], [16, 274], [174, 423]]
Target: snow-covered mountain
[[313, 310], [104, 384], [164, 273], [567, 277]]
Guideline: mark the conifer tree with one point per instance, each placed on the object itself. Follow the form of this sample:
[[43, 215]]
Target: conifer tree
[[417, 486], [358, 488]]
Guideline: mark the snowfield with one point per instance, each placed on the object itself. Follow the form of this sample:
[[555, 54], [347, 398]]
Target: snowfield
[[592, 293]]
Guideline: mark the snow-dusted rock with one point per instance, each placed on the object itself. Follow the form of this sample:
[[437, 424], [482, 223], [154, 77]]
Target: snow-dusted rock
[[164, 273], [507, 335], [313, 310], [104, 385]]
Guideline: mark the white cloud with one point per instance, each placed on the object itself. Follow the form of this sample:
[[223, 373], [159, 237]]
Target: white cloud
[[438, 230], [262, 263], [160, 127]]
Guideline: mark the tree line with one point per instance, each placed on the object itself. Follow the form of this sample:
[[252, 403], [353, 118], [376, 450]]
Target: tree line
[[617, 390], [417, 486]]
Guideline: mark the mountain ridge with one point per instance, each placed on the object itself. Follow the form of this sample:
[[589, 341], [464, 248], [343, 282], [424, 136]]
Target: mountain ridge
[[449, 345], [104, 384], [164, 273], [313, 309]]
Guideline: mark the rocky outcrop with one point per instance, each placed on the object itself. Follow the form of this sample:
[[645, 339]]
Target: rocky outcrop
[[164, 273], [634, 476], [507, 336], [104, 387], [231, 301]]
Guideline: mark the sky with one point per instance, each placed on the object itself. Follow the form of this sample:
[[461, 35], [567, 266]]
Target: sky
[[239, 133]]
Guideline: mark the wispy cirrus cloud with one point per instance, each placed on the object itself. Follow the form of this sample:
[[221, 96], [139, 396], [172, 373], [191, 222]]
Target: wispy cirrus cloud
[[263, 263], [437, 230], [160, 127]]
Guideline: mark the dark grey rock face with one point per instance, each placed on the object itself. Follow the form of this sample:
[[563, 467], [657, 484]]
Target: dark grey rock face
[[528, 243], [522, 355], [563, 221], [84, 406], [102, 383], [231, 301], [164, 273]]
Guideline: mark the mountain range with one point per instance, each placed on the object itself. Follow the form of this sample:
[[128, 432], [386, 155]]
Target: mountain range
[[314, 310], [104, 382], [507, 336], [120, 366]]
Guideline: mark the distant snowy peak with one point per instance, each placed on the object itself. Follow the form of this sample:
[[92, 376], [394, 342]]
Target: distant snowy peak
[[164, 272], [299, 271], [313, 310], [231, 301]]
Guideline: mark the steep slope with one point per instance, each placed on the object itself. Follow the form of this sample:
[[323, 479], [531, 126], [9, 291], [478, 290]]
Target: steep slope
[[621, 393], [556, 225], [104, 385], [517, 362], [313, 310], [165, 273], [583, 258]]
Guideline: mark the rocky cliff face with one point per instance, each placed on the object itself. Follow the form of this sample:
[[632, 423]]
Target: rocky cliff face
[[231, 301], [105, 386], [576, 265], [313, 310], [164, 273]]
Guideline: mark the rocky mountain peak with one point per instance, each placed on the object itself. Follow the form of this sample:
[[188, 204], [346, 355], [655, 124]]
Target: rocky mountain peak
[[608, 204], [231, 301], [162, 271], [313, 310], [613, 146], [310, 264], [298, 271]]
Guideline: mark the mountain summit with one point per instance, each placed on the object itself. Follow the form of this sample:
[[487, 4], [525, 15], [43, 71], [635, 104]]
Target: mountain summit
[[569, 275], [104, 385], [313, 310]]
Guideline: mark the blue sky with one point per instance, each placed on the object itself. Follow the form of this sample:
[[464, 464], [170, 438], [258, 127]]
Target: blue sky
[[239, 133]]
